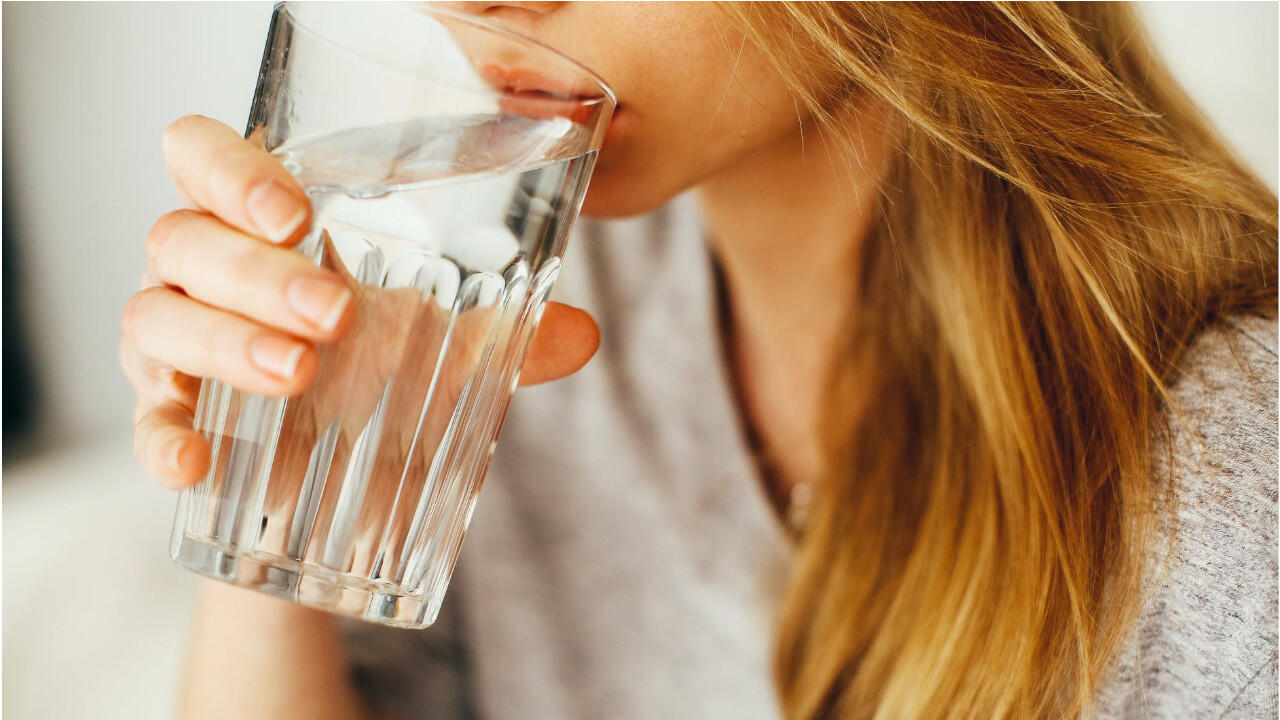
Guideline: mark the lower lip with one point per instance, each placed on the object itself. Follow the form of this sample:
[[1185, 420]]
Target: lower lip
[[521, 87], [542, 106], [516, 80]]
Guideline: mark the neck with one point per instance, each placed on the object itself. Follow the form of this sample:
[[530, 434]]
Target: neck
[[786, 225]]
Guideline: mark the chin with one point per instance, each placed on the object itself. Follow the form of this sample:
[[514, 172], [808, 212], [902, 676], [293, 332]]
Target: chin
[[616, 194]]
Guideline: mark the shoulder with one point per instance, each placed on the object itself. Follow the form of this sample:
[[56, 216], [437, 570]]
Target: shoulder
[[1223, 398], [1219, 452], [1205, 642], [1219, 447]]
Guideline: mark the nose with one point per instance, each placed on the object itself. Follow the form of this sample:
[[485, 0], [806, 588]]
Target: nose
[[493, 8]]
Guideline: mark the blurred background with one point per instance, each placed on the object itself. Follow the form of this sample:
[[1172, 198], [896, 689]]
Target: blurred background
[[95, 615]]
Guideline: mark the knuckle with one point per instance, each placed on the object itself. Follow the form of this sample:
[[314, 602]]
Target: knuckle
[[158, 238], [175, 386], [142, 376], [134, 315], [129, 318], [141, 436], [129, 363], [178, 130]]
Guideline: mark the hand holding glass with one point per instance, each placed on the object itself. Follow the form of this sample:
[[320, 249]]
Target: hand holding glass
[[445, 161]]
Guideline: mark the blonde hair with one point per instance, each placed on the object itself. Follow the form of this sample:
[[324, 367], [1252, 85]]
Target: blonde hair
[[1058, 224]]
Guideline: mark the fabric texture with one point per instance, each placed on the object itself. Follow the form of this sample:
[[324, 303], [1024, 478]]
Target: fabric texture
[[624, 561], [1205, 644]]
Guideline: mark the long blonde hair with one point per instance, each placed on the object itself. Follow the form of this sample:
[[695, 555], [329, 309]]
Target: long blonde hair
[[1058, 224]]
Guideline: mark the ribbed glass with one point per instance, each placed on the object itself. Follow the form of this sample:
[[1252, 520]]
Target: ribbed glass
[[446, 161]]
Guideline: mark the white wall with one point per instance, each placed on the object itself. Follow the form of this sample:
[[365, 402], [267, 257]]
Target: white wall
[[1224, 53], [89, 87]]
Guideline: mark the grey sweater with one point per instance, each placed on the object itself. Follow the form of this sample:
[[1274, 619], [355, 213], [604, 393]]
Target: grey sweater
[[624, 562]]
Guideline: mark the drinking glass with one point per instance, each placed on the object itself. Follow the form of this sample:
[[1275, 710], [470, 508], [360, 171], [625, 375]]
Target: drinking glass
[[446, 160]]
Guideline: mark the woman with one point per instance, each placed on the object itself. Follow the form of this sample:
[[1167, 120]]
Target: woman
[[984, 310]]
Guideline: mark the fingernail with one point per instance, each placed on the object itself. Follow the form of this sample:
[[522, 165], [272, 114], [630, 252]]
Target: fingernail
[[174, 450], [276, 355], [276, 211], [320, 302]]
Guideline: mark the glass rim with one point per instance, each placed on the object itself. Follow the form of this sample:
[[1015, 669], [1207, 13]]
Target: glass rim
[[431, 9]]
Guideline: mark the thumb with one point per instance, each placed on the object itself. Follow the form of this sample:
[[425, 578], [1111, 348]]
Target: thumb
[[566, 339]]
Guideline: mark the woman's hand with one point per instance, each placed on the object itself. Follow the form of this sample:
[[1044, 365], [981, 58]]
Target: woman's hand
[[224, 297]]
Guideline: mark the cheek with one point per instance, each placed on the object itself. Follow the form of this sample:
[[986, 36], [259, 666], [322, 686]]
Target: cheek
[[672, 146], [694, 99]]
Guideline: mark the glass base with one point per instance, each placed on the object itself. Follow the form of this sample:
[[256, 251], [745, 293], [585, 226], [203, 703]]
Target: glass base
[[306, 584]]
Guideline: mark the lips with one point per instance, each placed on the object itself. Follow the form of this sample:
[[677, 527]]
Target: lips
[[530, 93], [525, 82]]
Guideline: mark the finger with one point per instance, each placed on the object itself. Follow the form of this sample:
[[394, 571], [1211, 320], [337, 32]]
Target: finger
[[172, 329], [565, 340], [171, 452], [241, 183], [227, 269], [155, 382]]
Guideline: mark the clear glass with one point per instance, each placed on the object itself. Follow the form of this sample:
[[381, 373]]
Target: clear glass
[[446, 160]]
